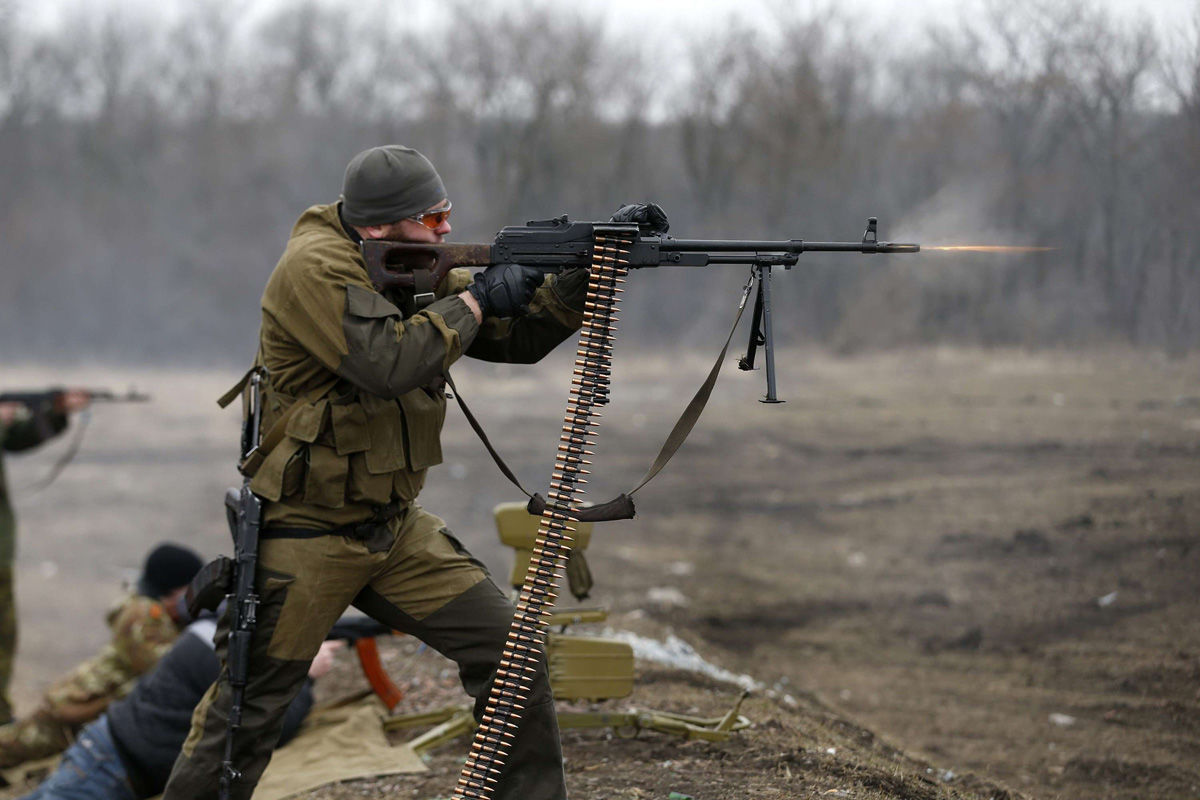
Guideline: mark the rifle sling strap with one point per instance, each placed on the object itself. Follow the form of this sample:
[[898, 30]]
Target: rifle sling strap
[[250, 465], [621, 506], [224, 400]]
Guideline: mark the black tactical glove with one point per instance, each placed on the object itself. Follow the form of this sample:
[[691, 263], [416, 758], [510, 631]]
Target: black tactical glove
[[649, 216], [570, 287], [504, 290]]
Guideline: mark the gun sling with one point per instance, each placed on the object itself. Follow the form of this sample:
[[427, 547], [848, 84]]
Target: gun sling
[[621, 506]]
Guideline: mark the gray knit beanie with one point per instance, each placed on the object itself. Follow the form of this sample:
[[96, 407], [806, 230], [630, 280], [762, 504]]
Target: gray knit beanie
[[387, 184]]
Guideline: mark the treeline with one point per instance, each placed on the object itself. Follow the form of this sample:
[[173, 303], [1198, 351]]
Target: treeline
[[152, 168]]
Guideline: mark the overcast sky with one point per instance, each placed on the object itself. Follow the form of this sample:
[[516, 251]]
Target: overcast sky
[[670, 16], [894, 14]]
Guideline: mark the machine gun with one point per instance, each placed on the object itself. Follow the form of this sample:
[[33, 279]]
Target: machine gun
[[556, 244], [607, 250]]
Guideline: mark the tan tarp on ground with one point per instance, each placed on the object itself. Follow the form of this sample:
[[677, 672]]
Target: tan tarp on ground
[[337, 744]]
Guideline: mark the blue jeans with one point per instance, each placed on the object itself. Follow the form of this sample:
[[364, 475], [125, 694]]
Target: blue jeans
[[89, 770]]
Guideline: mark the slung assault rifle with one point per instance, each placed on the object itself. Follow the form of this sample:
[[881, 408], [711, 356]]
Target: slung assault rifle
[[556, 244]]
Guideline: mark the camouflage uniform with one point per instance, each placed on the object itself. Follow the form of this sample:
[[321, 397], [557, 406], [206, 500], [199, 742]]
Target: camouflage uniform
[[357, 378], [142, 631], [30, 430]]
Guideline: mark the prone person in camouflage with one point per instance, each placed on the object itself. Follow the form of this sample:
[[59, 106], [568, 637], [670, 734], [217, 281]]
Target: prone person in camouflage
[[127, 753], [144, 625], [355, 385], [21, 428]]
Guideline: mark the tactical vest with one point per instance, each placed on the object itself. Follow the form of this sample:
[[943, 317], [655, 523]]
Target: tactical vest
[[339, 445]]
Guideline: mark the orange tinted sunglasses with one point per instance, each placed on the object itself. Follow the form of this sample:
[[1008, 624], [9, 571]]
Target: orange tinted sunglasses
[[434, 219]]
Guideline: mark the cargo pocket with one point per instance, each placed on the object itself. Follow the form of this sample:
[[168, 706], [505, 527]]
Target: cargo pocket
[[325, 484], [279, 620], [366, 487], [352, 438], [362, 302], [424, 414], [385, 424], [293, 474], [281, 472], [350, 430]]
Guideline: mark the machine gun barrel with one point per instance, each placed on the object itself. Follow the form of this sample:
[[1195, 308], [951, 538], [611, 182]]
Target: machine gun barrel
[[791, 246], [553, 245]]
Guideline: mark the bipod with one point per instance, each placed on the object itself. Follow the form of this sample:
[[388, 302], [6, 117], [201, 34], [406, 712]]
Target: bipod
[[761, 333]]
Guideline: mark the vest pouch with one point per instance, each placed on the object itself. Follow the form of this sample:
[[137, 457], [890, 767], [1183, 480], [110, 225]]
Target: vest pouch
[[325, 483], [424, 413], [284, 465], [351, 432], [352, 437], [293, 474], [281, 472], [364, 486], [307, 421], [407, 484], [385, 426]]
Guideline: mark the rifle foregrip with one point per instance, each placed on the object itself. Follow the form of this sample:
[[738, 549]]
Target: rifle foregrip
[[239, 658]]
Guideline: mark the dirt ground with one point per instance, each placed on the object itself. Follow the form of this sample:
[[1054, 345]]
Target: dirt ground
[[955, 573]]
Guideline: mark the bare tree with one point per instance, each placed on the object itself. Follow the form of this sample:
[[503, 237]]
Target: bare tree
[[710, 114], [1111, 66], [175, 160]]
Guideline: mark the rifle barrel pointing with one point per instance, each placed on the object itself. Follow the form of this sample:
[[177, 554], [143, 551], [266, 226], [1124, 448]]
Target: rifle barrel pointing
[[668, 245]]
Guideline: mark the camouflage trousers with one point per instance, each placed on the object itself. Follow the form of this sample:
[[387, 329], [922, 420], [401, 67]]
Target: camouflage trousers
[[33, 737], [8, 636], [413, 576]]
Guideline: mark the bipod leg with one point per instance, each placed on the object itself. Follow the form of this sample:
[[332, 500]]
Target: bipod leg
[[764, 288], [746, 362]]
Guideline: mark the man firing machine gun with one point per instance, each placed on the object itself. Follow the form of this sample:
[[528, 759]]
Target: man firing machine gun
[[362, 318], [634, 238]]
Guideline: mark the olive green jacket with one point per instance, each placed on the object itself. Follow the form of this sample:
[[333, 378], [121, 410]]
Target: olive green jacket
[[368, 370]]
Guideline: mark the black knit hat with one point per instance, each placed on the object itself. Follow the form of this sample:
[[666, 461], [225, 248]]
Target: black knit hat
[[387, 184], [168, 567]]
